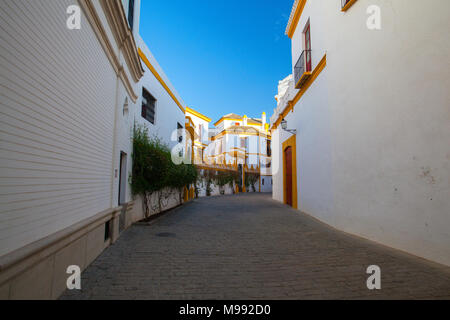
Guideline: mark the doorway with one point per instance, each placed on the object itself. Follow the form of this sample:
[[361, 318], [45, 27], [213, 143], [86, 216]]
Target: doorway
[[122, 178], [288, 174]]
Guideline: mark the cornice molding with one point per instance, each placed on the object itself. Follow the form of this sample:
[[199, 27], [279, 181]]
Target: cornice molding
[[294, 18], [116, 18], [99, 30], [248, 131], [160, 79], [198, 114]]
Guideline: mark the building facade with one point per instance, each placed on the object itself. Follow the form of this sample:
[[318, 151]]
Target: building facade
[[369, 154], [200, 126], [238, 140], [70, 98]]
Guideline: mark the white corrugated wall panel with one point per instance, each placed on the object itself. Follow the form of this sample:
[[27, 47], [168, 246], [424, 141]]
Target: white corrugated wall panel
[[57, 100]]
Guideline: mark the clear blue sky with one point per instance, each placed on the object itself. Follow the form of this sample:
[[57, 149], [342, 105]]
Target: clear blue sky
[[221, 56]]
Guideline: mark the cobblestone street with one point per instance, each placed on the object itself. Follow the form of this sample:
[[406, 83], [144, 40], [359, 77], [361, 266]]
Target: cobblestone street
[[248, 246]]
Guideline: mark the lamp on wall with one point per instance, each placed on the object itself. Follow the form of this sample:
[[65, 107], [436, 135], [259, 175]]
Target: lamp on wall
[[284, 127]]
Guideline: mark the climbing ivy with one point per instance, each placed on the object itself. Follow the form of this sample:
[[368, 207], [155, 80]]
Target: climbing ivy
[[153, 169], [250, 180]]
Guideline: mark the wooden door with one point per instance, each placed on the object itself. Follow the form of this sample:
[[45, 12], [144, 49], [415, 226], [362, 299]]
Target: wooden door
[[288, 174]]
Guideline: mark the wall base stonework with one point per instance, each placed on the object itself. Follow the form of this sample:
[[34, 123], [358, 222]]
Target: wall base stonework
[[135, 212], [38, 270]]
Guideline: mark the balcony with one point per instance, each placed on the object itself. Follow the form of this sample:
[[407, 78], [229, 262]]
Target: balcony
[[346, 4], [302, 69]]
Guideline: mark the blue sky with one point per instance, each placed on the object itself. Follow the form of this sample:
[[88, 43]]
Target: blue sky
[[221, 56]]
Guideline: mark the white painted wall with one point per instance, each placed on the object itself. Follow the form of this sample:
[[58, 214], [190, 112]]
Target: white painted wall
[[64, 125], [372, 145], [56, 139], [311, 118], [167, 114], [215, 189], [267, 186], [398, 177], [197, 123]]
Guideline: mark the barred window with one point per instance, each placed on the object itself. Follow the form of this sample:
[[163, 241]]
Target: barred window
[[180, 132], [148, 106]]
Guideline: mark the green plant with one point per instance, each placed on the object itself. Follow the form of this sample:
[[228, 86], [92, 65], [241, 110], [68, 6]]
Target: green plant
[[153, 169], [180, 176], [224, 178], [250, 180]]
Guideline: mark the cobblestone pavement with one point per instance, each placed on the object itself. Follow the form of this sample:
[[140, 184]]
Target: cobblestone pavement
[[248, 246]]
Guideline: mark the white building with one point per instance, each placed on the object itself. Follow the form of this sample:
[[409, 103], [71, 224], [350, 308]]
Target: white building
[[200, 125], [239, 140], [69, 101], [371, 108]]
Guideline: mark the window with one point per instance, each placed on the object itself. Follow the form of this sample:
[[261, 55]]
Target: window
[[308, 47], [243, 142], [148, 106], [180, 132], [200, 133], [131, 13], [263, 181], [269, 149], [303, 66]]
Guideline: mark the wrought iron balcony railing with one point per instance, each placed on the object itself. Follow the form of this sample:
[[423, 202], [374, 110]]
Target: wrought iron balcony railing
[[302, 69], [344, 2]]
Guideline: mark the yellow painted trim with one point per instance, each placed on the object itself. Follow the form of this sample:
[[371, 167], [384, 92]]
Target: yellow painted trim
[[206, 166], [158, 77], [296, 18], [291, 142], [225, 132], [223, 119], [190, 122], [249, 121], [348, 5], [198, 114], [318, 69], [234, 150], [185, 194], [201, 144]]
